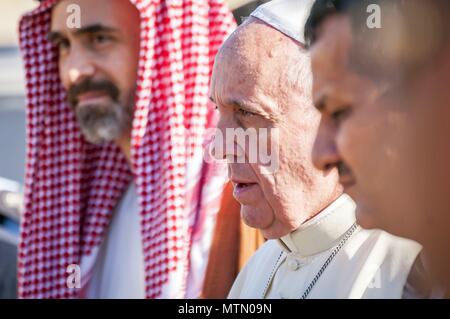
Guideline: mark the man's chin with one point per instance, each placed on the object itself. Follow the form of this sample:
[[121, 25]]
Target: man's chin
[[256, 218], [98, 101], [366, 218], [100, 124], [100, 135]]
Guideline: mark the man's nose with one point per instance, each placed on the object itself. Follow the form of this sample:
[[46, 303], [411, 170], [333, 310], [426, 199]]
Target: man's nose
[[223, 145], [79, 66], [325, 154]]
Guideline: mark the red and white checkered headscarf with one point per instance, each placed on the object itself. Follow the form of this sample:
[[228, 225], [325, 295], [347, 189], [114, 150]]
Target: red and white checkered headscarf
[[72, 187]]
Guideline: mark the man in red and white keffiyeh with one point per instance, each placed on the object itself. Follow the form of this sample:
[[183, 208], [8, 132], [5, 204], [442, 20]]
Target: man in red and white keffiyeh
[[117, 191]]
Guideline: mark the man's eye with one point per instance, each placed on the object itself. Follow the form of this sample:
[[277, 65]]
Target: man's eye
[[246, 113], [341, 114], [63, 44], [100, 38]]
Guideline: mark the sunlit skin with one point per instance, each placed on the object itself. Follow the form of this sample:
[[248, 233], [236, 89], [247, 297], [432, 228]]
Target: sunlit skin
[[261, 79], [338, 93], [390, 140], [106, 47]]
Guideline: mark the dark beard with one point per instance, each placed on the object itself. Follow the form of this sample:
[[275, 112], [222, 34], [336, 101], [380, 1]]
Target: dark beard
[[102, 123]]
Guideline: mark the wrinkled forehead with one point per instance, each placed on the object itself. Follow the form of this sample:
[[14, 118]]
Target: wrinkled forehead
[[261, 44], [232, 77], [67, 15], [255, 54]]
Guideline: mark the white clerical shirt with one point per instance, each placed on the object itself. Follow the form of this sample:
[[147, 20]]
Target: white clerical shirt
[[370, 264]]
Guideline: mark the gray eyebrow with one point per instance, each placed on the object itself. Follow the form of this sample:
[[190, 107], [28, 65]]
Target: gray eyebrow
[[243, 106]]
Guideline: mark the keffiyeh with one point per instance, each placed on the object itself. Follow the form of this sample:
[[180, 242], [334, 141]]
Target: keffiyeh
[[72, 186]]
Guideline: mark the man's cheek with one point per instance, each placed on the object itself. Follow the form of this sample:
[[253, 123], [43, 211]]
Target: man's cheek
[[350, 143], [270, 187], [64, 76]]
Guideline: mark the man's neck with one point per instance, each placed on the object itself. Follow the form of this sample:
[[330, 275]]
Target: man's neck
[[337, 193], [124, 144]]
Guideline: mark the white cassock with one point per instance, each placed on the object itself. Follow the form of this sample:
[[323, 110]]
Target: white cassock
[[369, 264], [329, 256]]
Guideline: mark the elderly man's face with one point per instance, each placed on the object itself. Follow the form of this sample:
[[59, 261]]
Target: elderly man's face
[[261, 80], [98, 64], [389, 139]]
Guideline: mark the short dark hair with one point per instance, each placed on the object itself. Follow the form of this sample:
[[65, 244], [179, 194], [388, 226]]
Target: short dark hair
[[322, 9], [373, 40], [356, 9]]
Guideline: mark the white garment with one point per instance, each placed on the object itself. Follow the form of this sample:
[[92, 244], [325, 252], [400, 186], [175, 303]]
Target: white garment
[[119, 269], [371, 264], [287, 16]]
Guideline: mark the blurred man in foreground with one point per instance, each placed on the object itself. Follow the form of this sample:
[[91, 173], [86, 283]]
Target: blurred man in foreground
[[385, 103]]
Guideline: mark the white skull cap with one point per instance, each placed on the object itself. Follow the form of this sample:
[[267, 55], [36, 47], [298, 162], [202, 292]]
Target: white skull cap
[[286, 16]]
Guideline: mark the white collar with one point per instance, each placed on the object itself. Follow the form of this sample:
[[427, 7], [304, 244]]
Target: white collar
[[323, 231]]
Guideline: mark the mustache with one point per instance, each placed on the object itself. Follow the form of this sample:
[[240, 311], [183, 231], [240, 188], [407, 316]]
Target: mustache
[[343, 169], [87, 86]]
